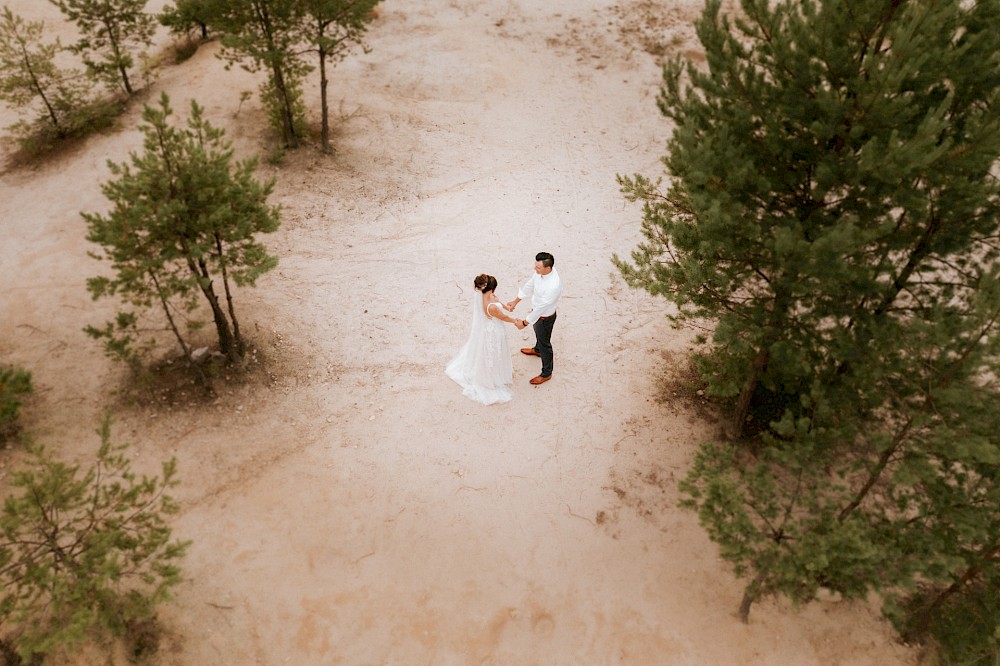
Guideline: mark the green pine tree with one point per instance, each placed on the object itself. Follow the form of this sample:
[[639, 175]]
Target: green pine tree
[[830, 161], [183, 223], [29, 77], [187, 16], [84, 550], [831, 209], [265, 35], [332, 28], [111, 30]]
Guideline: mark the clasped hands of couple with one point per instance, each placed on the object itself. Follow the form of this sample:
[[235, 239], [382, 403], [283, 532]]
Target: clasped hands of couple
[[519, 324]]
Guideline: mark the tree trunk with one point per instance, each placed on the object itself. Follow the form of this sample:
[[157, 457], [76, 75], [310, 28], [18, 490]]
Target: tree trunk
[[277, 76], [750, 595], [36, 84], [744, 611], [918, 254], [128, 85], [285, 107], [325, 137], [180, 339], [240, 347], [226, 344], [118, 59], [739, 417], [737, 421]]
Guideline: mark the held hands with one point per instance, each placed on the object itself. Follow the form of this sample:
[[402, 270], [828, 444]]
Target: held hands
[[509, 307]]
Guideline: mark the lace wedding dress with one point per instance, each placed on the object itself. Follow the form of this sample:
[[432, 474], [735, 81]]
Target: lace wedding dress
[[483, 367]]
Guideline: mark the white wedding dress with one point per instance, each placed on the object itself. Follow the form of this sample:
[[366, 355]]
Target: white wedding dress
[[483, 367]]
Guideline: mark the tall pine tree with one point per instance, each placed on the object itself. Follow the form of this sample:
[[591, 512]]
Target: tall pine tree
[[183, 224], [831, 208], [833, 157]]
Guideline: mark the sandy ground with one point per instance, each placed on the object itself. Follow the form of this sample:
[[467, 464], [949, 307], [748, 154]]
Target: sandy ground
[[347, 505]]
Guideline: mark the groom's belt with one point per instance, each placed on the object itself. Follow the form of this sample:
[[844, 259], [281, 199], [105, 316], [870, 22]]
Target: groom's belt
[[549, 316]]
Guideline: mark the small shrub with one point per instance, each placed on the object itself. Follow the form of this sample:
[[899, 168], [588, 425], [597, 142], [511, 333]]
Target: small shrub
[[276, 157], [83, 551], [39, 137], [184, 49]]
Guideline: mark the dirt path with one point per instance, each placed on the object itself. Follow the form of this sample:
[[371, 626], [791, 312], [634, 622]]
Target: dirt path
[[354, 508]]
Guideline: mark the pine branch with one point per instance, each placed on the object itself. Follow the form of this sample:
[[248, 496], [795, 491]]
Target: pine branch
[[876, 471]]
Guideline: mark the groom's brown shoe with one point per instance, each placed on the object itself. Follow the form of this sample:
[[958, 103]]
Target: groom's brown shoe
[[529, 351], [539, 380]]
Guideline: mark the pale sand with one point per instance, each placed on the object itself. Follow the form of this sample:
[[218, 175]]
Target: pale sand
[[357, 509]]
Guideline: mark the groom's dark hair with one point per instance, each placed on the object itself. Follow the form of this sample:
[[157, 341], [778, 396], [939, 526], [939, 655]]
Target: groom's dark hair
[[547, 259]]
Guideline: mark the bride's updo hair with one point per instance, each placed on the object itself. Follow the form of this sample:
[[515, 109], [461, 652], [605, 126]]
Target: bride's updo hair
[[484, 283]]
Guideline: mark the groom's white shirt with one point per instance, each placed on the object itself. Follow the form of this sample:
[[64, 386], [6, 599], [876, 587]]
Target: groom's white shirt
[[544, 291]]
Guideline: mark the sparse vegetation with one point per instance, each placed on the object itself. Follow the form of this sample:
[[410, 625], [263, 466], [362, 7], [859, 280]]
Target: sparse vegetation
[[15, 383], [58, 101]]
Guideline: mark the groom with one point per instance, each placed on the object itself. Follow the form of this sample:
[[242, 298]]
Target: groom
[[544, 289]]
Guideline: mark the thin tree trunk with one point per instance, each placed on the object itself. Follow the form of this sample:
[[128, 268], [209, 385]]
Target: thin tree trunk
[[240, 346], [898, 439], [173, 327], [277, 77], [128, 85], [285, 104], [36, 84], [325, 137], [918, 254], [118, 59], [745, 603], [185, 348], [170, 319], [226, 342]]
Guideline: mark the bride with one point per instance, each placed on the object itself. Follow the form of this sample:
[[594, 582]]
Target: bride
[[483, 366]]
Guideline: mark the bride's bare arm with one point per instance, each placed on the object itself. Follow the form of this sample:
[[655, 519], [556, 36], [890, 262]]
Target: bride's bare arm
[[499, 313]]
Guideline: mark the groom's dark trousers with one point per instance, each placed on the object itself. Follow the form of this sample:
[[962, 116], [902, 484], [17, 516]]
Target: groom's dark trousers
[[543, 341]]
